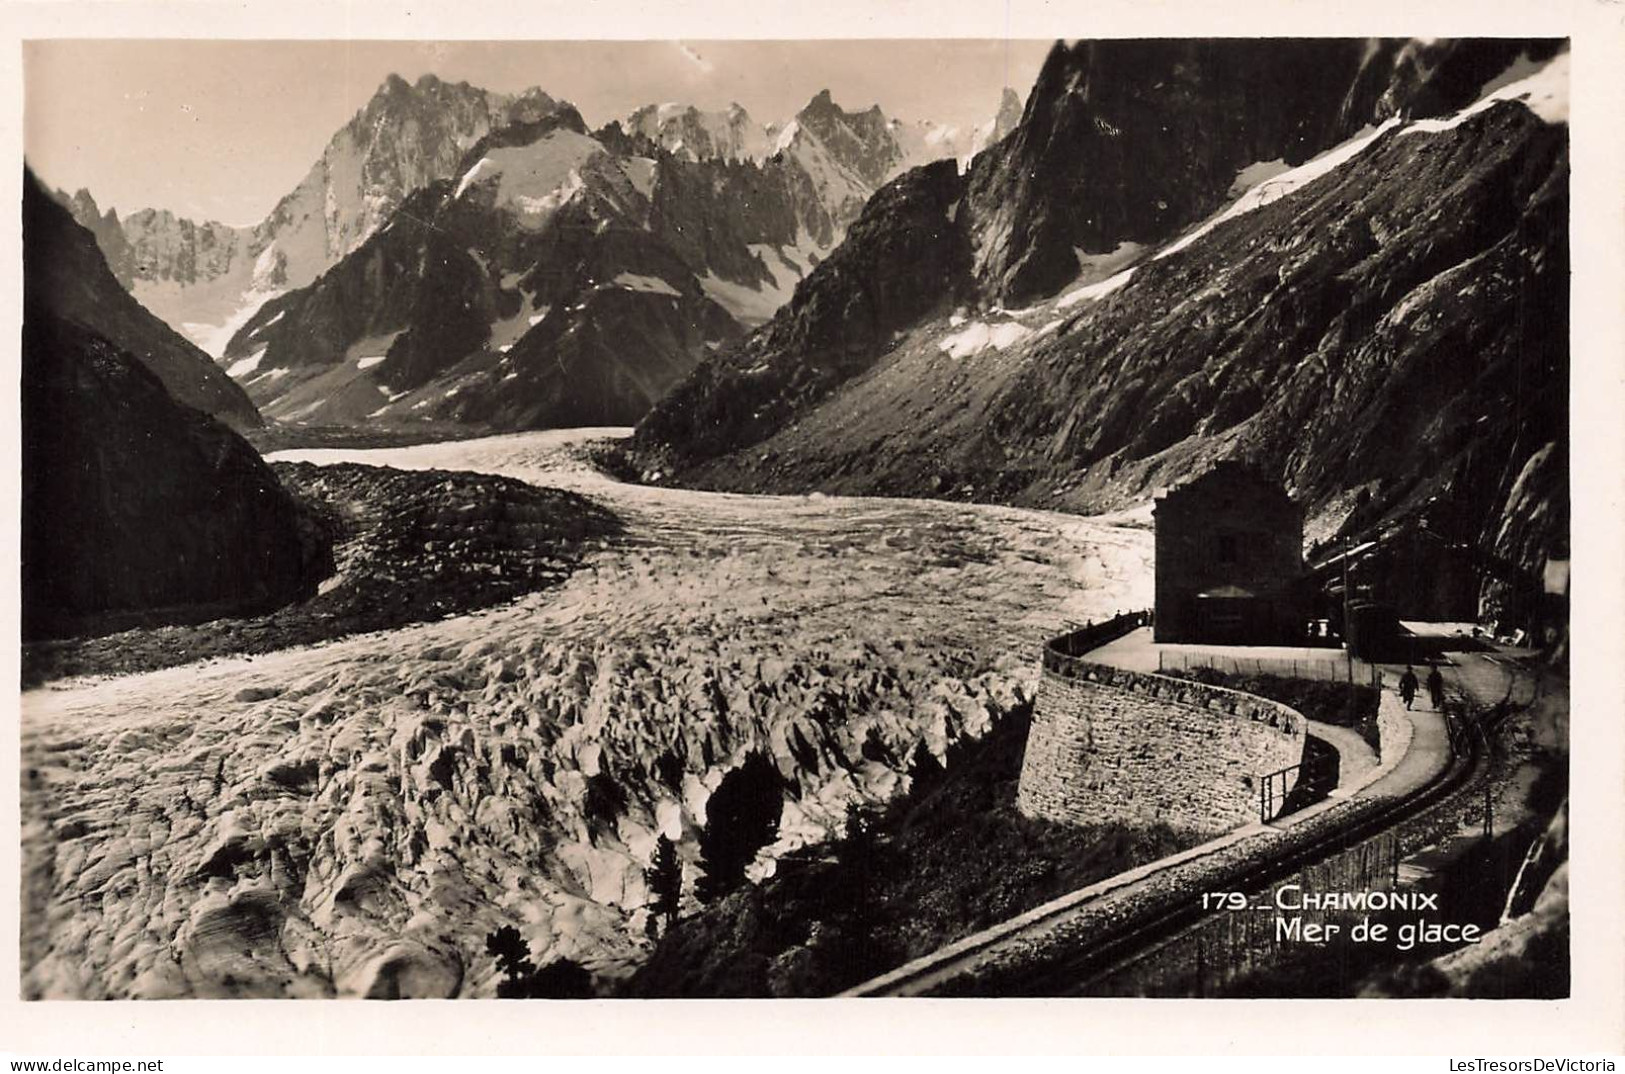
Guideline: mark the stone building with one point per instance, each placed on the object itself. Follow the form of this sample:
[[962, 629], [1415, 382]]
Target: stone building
[[1229, 560]]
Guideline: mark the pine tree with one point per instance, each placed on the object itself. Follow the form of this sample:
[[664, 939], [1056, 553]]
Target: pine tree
[[665, 878], [562, 978], [741, 818]]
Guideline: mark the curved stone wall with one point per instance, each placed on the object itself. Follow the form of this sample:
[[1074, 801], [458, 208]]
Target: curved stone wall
[[1114, 745]]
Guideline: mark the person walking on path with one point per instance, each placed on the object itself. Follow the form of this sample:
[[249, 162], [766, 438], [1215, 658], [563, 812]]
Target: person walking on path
[[1436, 688], [1407, 686]]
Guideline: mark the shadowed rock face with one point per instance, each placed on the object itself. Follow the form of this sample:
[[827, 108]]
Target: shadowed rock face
[[137, 508], [65, 274], [1129, 141], [837, 324]]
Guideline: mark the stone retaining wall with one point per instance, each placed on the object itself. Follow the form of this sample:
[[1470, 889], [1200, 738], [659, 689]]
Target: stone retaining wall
[[1114, 745]]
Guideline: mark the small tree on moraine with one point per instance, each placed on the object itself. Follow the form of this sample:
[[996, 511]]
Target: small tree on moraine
[[665, 879], [741, 818], [562, 978]]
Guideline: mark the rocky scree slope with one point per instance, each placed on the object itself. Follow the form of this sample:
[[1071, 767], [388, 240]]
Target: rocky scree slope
[[1392, 333], [409, 546], [65, 275]]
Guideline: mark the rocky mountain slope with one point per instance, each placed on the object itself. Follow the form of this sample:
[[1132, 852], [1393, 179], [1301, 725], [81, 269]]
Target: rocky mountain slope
[[1340, 268], [139, 510], [66, 277], [206, 278]]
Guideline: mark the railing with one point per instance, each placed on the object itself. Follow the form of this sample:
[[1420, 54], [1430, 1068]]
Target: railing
[[1341, 668], [1268, 799], [1092, 636]]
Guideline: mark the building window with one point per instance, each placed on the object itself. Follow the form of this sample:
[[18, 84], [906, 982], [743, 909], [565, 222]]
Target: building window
[[1227, 549]]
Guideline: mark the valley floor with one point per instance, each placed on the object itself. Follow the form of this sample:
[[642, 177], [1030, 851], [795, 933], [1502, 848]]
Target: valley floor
[[353, 818]]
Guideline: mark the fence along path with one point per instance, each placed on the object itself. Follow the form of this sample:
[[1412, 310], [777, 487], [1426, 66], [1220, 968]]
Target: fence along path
[[1336, 667]]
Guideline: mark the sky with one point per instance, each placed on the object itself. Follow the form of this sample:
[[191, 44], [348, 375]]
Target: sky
[[220, 130]]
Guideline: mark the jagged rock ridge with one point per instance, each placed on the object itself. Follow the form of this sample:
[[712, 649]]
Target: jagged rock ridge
[[557, 278], [206, 278]]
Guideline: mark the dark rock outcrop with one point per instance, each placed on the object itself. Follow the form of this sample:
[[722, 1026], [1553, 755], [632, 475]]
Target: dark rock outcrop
[[137, 509], [109, 233]]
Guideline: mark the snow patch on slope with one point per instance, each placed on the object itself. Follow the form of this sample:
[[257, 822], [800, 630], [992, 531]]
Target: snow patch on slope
[[247, 365], [1284, 183], [1545, 92], [654, 285], [978, 336], [1091, 292], [214, 338], [534, 180]]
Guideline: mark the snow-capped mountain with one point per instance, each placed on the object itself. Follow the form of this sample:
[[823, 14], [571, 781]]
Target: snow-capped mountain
[[839, 158], [206, 279], [686, 131], [555, 278], [923, 142], [561, 276]]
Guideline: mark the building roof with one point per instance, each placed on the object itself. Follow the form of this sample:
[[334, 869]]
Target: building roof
[[1227, 470]]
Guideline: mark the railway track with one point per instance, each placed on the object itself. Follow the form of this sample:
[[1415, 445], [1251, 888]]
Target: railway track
[[1073, 969]]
